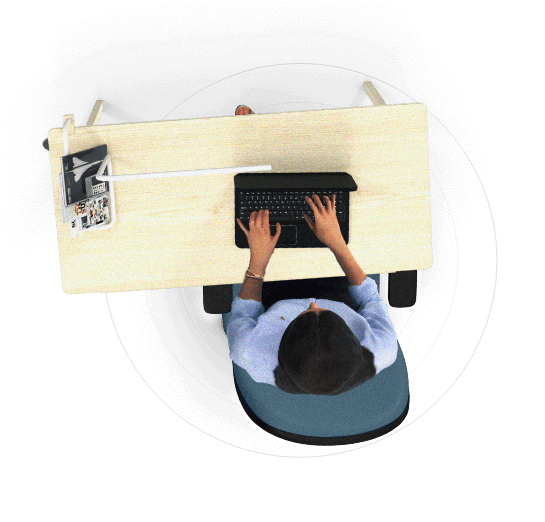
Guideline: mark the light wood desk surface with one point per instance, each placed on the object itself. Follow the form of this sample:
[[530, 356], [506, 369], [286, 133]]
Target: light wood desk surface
[[179, 232]]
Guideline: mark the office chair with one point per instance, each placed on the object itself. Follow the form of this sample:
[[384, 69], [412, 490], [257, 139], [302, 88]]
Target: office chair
[[366, 412]]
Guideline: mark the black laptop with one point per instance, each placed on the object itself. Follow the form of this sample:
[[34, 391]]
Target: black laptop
[[283, 194]]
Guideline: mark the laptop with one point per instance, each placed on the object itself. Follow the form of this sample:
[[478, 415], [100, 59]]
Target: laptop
[[283, 194]]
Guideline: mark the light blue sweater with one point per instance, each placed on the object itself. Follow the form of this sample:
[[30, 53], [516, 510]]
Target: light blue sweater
[[254, 335]]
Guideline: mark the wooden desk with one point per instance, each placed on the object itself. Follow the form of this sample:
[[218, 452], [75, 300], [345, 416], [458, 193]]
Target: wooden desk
[[179, 232]]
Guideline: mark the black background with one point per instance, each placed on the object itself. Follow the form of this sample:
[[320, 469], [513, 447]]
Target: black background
[[93, 390]]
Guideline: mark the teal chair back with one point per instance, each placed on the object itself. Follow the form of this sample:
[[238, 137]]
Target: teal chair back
[[366, 412]]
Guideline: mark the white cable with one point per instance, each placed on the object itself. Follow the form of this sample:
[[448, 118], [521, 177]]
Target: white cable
[[131, 177]]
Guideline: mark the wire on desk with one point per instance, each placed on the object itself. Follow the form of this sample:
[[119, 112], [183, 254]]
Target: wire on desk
[[131, 177]]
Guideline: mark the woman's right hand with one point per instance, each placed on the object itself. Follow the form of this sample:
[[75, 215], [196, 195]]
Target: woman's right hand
[[325, 226]]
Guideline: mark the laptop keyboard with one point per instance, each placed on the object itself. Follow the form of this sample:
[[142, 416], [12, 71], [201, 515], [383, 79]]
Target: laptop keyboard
[[287, 205]]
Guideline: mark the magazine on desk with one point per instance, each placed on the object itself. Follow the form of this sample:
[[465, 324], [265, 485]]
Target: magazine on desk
[[86, 202]]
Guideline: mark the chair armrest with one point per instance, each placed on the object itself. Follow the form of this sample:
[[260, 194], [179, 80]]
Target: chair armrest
[[217, 299], [402, 288]]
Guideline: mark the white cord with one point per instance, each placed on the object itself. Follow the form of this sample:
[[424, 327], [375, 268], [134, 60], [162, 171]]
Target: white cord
[[131, 177]]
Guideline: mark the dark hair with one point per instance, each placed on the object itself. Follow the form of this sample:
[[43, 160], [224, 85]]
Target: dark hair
[[319, 354]]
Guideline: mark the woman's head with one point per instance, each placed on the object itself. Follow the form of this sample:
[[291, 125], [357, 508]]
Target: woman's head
[[320, 355]]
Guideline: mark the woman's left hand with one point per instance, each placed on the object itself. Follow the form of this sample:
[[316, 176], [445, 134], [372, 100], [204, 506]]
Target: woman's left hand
[[260, 240]]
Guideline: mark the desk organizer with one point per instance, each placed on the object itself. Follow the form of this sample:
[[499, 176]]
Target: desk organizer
[[88, 203]]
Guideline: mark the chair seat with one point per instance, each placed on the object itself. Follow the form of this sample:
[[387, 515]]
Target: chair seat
[[366, 412]]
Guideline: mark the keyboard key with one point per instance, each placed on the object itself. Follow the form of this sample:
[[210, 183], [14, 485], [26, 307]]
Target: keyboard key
[[288, 205]]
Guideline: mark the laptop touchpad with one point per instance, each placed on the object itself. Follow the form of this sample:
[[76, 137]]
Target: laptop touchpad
[[288, 235]]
